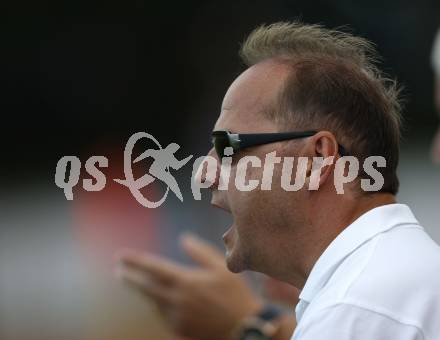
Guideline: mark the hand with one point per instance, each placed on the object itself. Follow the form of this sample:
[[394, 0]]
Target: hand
[[435, 148], [206, 302]]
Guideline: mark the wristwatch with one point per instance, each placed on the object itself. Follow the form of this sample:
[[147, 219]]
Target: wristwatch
[[260, 326]]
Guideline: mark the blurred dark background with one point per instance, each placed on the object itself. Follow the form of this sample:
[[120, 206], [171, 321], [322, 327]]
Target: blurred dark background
[[79, 77], [75, 73]]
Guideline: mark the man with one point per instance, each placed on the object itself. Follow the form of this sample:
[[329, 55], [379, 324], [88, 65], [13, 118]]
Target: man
[[365, 267]]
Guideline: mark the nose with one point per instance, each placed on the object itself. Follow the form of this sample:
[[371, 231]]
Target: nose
[[208, 171]]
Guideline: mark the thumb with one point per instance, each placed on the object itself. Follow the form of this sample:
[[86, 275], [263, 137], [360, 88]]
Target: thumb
[[202, 252]]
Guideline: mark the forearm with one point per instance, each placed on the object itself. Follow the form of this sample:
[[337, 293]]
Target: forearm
[[285, 327], [280, 328]]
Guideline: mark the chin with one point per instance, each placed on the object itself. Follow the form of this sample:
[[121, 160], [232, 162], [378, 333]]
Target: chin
[[233, 268], [234, 262]]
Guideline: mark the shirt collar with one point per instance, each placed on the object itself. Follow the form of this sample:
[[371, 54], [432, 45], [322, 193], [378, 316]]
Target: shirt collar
[[364, 228]]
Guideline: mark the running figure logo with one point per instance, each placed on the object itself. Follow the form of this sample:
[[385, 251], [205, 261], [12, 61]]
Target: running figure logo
[[163, 160]]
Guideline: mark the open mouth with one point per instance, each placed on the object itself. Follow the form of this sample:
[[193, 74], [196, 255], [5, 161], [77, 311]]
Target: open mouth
[[227, 236]]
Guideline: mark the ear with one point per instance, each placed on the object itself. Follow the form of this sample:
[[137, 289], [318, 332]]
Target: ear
[[323, 147]]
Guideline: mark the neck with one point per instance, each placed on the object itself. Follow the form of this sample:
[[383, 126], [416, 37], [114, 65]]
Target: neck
[[325, 225]]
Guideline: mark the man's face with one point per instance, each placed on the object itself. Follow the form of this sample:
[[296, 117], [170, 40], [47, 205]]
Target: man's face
[[259, 229]]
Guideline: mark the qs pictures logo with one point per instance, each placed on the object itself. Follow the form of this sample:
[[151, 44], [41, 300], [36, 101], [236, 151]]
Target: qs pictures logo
[[217, 171]]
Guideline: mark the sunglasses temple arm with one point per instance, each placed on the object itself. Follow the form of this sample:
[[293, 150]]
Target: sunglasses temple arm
[[249, 139]]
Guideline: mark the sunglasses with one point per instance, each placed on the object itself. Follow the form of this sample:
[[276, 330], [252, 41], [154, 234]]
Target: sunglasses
[[222, 139]]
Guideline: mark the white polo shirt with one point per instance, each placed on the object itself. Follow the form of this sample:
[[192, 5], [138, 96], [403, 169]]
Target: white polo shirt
[[378, 280]]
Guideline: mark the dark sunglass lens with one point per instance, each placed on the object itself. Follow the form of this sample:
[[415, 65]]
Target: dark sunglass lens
[[221, 141]]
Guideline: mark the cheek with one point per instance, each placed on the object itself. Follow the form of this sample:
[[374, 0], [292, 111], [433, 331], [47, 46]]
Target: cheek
[[243, 191], [255, 204], [256, 213], [263, 207]]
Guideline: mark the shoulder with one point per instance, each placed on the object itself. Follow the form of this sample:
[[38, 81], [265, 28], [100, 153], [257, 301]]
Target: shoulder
[[344, 321], [392, 281], [399, 270]]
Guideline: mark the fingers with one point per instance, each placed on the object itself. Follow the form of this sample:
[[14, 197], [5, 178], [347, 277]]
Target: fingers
[[143, 284], [157, 267], [202, 252]]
